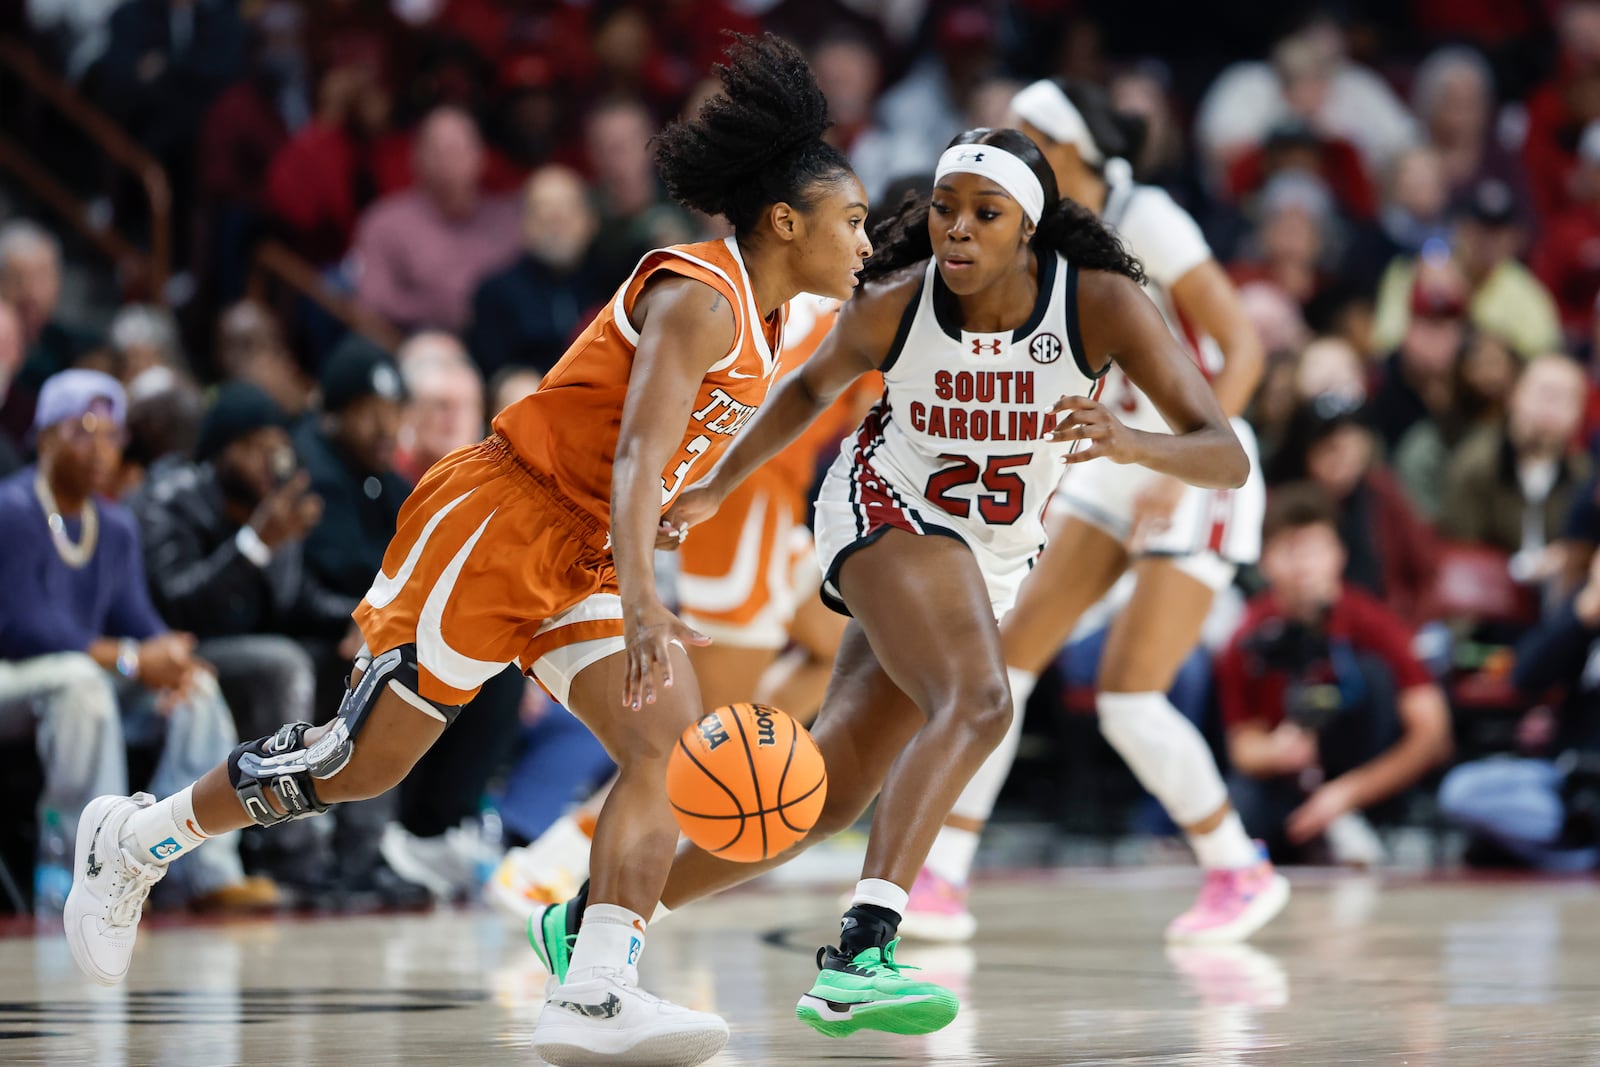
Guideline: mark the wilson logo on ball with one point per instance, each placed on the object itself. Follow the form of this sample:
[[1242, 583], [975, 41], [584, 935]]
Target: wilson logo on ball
[[766, 731]]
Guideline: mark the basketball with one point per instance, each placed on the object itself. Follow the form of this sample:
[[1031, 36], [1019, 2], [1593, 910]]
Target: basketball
[[746, 782]]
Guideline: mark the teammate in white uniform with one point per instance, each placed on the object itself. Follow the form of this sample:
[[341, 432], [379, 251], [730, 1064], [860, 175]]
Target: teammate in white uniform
[[1183, 544], [930, 516]]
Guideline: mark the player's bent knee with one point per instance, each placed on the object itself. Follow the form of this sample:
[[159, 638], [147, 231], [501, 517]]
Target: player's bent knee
[[984, 712], [286, 776]]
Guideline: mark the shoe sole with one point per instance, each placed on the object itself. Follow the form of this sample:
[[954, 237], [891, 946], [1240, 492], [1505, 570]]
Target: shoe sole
[[682, 1049], [938, 929], [1262, 910], [922, 1014], [94, 813]]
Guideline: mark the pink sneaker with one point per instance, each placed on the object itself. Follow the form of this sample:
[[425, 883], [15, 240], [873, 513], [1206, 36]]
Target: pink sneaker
[[1232, 905], [937, 911]]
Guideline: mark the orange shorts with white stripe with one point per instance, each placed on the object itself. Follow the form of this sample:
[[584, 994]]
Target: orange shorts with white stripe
[[491, 565], [744, 572]]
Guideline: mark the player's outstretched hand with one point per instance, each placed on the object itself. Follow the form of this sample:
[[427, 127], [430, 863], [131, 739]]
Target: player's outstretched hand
[[1082, 419], [694, 505], [651, 631]]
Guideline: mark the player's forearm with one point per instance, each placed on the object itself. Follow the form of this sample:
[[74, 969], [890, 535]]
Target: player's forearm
[[635, 514], [1416, 753], [1243, 363], [1211, 457]]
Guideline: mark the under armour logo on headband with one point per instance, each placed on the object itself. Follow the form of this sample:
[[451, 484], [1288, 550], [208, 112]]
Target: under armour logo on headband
[[970, 156]]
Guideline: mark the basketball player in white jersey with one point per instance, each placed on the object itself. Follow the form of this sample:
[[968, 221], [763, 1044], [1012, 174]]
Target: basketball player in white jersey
[[993, 312], [1182, 543]]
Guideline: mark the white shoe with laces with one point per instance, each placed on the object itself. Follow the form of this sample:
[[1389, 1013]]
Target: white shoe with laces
[[108, 890], [606, 1018]]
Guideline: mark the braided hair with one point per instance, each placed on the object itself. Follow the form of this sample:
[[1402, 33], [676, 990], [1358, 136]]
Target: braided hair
[[1067, 227], [755, 144]]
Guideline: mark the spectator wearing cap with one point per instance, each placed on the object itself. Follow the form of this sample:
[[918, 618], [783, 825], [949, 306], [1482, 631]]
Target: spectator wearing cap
[[348, 450], [421, 252], [1512, 485], [525, 315], [1504, 296], [79, 637], [1414, 380], [1567, 256], [1389, 550], [223, 538]]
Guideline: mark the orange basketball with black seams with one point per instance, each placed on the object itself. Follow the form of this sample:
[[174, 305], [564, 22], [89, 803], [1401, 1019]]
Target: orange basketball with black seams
[[746, 782]]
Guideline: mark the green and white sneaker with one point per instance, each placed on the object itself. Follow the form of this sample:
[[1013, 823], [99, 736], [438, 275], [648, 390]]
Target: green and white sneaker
[[869, 992], [547, 933]]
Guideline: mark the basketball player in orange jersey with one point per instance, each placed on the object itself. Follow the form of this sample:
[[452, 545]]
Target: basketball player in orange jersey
[[748, 580], [1181, 543], [992, 312], [536, 547]]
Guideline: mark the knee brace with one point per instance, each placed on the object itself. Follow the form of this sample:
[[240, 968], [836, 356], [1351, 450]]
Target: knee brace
[[1165, 752], [284, 766]]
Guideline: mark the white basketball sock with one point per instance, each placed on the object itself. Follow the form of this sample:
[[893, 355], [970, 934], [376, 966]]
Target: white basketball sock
[[1225, 848], [882, 893], [952, 854], [1165, 752], [165, 830], [610, 938]]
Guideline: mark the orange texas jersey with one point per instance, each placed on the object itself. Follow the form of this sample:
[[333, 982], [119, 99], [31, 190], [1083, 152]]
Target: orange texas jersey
[[569, 428]]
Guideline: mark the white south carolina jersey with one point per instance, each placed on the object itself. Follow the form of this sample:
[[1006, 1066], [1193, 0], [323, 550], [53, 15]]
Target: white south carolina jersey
[[954, 446], [1221, 523], [1169, 244]]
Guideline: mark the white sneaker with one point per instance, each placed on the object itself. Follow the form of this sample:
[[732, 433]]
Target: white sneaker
[[548, 871], [1353, 842], [606, 1019], [108, 890]]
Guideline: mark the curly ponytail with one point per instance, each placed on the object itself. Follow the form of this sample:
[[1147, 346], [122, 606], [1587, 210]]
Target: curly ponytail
[[755, 144], [1067, 227]]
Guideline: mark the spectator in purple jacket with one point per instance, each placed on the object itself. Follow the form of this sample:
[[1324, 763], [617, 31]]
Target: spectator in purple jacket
[[85, 661]]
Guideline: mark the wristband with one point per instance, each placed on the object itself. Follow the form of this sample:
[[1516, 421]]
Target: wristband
[[251, 547], [128, 658]]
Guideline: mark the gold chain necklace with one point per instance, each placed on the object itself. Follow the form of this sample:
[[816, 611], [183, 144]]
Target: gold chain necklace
[[74, 555]]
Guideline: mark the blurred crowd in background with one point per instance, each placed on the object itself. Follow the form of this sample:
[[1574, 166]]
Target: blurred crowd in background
[[1407, 195]]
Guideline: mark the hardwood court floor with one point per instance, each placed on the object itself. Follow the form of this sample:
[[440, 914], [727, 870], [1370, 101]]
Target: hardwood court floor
[[1069, 969]]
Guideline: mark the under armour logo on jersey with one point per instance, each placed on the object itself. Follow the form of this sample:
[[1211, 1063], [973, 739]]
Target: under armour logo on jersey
[[990, 348], [1045, 348]]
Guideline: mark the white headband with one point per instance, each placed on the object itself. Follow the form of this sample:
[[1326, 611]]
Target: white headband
[[1007, 171], [1046, 108]]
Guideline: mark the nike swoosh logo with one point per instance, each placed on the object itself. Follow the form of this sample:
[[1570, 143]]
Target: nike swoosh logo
[[606, 1009], [733, 373], [638, 924]]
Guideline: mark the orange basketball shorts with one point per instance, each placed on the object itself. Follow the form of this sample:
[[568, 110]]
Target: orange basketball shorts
[[744, 572], [490, 565]]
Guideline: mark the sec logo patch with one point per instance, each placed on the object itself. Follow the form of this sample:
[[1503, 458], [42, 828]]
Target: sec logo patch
[[1045, 348]]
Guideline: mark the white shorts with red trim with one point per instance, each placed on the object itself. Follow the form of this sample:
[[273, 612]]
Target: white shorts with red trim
[[1212, 531], [857, 505]]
